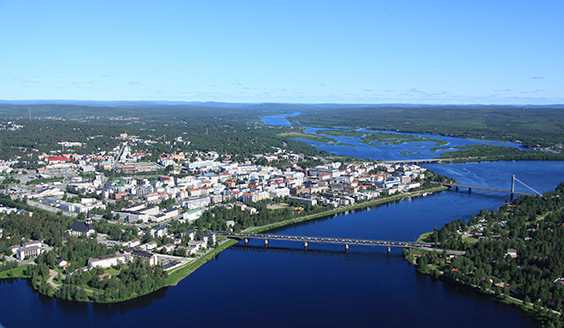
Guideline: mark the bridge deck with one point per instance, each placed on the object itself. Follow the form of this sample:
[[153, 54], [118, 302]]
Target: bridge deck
[[484, 188], [415, 161], [328, 240]]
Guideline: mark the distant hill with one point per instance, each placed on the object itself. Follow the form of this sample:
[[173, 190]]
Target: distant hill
[[281, 106]]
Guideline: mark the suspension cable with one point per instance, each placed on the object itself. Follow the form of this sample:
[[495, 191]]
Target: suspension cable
[[527, 186]]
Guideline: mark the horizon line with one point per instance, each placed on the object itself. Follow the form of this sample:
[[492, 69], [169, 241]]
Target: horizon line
[[40, 101]]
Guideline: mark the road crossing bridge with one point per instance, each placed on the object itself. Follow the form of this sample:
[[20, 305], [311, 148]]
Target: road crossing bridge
[[512, 191], [325, 240], [418, 161]]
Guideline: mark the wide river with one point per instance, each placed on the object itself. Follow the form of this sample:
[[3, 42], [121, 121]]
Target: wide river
[[287, 286]]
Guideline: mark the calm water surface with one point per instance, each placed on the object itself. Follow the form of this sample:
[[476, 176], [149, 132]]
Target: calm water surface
[[285, 285]]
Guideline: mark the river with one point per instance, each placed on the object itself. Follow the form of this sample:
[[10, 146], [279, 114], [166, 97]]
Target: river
[[425, 147], [285, 285]]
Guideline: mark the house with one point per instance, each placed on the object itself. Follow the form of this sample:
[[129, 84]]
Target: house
[[192, 215], [209, 238], [169, 247], [511, 252], [14, 248], [159, 231], [151, 258], [29, 251], [251, 210], [63, 264], [198, 245], [32, 243], [107, 261], [80, 228], [190, 234], [151, 245], [133, 243]]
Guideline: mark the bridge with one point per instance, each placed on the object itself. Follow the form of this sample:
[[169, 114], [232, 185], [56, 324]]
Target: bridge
[[450, 185], [512, 191], [418, 161], [325, 240]]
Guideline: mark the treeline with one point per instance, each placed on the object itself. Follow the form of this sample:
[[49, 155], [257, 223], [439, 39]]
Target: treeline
[[115, 231], [216, 218], [534, 228], [135, 279], [45, 135], [500, 153], [42, 225], [222, 130], [76, 251]]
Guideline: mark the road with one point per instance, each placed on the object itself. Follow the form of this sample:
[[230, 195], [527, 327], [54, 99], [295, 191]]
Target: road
[[51, 208], [438, 250]]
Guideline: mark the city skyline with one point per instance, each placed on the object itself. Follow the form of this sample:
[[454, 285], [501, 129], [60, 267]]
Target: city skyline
[[292, 52]]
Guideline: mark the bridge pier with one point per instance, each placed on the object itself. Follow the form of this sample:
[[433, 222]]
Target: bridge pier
[[346, 247], [266, 243], [305, 245], [469, 190], [246, 241], [389, 249]]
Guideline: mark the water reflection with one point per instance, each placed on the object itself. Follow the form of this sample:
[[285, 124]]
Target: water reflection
[[126, 306], [376, 255]]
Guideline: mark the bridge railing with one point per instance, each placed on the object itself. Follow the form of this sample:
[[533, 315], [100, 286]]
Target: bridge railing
[[327, 240]]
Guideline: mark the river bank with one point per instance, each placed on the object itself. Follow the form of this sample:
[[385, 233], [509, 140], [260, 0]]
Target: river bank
[[379, 287], [176, 275], [538, 312], [499, 274], [180, 273]]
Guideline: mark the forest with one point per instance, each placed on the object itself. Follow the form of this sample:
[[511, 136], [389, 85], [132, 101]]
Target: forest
[[236, 128], [226, 131], [519, 252], [134, 279], [42, 225], [499, 153]]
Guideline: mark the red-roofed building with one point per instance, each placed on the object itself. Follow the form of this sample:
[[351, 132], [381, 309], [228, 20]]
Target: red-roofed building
[[249, 197], [57, 159]]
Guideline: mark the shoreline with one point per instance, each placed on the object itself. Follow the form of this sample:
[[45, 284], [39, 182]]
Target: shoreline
[[180, 273], [539, 314], [193, 266]]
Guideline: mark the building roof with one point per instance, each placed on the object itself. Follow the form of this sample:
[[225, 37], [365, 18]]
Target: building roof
[[80, 226], [58, 158]]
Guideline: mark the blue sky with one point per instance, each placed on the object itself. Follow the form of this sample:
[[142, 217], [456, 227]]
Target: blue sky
[[433, 52]]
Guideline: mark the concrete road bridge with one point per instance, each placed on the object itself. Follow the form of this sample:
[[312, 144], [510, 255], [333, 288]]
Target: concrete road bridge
[[325, 240]]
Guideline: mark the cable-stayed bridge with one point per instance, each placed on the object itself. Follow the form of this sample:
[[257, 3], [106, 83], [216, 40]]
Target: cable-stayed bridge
[[512, 191]]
